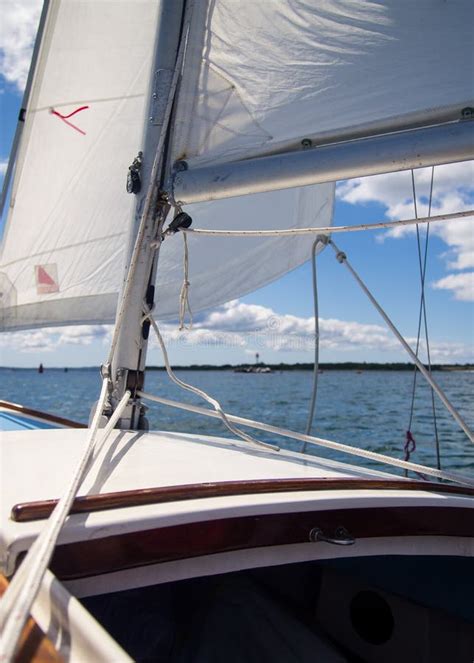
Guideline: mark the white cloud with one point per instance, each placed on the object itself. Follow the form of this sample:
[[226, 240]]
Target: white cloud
[[453, 191], [250, 328], [462, 285], [50, 339], [18, 27], [3, 167], [253, 327]]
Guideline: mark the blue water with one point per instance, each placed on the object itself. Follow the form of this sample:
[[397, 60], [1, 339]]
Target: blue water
[[368, 409]]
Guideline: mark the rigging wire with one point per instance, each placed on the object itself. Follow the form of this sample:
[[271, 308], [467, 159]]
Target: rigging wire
[[342, 258], [410, 444]]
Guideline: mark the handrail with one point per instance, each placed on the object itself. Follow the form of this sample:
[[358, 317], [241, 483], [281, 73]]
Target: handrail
[[37, 510]]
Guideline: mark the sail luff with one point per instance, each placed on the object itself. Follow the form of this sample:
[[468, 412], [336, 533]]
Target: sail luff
[[24, 108]]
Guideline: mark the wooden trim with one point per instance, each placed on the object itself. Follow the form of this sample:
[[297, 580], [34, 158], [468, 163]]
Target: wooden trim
[[135, 549], [41, 415], [34, 646], [27, 511]]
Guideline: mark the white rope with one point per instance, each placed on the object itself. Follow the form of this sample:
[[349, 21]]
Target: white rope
[[342, 258], [323, 240], [21, 593], [456, 216], [184, 294], [317, 441], [215, 404]]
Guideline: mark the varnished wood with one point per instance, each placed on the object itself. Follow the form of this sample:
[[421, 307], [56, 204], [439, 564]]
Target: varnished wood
[[124, 551], [27, 511], [34, 646], [41, 415]]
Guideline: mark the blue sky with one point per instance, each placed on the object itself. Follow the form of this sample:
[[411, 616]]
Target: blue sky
[[351, 330]]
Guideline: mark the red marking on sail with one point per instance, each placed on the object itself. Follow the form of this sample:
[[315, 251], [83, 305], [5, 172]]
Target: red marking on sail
[[65, 118], [46, 279]]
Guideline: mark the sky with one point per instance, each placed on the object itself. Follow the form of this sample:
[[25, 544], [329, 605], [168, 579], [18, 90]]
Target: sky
[[277, 320]]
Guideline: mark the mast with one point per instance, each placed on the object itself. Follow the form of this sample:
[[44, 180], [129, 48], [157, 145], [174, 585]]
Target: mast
[[127, 361]]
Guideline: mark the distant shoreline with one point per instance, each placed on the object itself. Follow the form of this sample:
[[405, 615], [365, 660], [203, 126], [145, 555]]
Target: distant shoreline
[[333, 366]]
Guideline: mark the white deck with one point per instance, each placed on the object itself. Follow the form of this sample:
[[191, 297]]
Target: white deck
[[36, 465]]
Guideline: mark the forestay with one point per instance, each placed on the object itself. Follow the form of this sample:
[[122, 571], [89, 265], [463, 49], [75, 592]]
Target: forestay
[[63, 246], [262, 76]]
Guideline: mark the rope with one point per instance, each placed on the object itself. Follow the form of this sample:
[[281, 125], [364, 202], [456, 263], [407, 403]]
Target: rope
[[320, 442], [18, 599], [324, 240], [342, 258], [202, 394], [184, 294], [456, 216]]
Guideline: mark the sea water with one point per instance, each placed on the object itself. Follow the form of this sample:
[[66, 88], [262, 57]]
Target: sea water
[[368, 409]]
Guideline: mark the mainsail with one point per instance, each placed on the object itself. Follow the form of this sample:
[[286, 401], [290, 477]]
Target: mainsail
[[258, 78], [262, 76]]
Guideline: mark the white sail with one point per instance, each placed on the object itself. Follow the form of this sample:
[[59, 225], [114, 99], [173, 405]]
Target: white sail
[[63, 247], [262, 76]]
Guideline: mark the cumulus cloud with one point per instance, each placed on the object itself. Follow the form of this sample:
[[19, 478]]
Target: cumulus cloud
[[3, 167], [254, 327], [462, 285], [250, 328], [52, 338], [453, 191], [18, 28]]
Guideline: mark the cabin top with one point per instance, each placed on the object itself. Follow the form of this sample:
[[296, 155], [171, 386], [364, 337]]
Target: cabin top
[[143, 480]]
